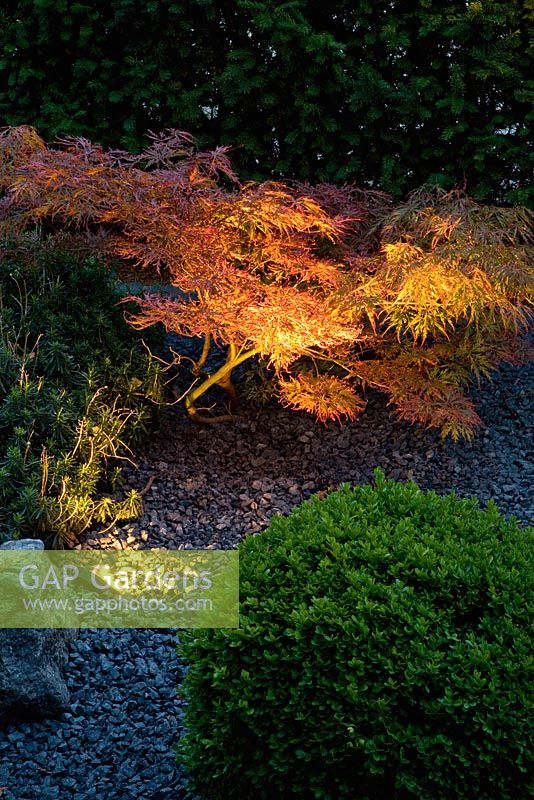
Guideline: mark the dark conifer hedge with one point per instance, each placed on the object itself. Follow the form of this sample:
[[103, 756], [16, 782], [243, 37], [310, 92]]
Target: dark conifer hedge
[[390, 93]]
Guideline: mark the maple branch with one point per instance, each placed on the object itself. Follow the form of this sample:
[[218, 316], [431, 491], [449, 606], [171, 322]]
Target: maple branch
[[314, 354], [223, 378], [197, 366]]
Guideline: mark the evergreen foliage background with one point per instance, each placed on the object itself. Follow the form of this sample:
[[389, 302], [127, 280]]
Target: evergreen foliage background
[[384, 93]]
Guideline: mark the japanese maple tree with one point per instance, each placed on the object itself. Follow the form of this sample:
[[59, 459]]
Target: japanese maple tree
[[332, 288]]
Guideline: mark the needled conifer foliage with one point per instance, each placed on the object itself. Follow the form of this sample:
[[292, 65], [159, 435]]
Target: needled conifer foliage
[[382, 92], [330, 288], [76, 391]]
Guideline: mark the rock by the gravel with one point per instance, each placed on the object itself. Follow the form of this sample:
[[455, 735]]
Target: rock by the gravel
[[32, 682], [23, 544]]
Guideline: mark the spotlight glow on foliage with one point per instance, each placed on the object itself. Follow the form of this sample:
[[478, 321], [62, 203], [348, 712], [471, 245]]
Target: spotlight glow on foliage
[[324, 396], [332, 283]]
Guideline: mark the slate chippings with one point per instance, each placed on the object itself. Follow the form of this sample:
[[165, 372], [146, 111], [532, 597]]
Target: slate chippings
[[211, 486]]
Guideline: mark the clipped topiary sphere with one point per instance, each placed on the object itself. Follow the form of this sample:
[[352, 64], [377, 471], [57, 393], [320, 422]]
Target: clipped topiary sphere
[[385, 653]]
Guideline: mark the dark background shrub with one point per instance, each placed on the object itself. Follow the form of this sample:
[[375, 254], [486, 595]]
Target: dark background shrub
[[385, 651], [388, 93], [76, 389]]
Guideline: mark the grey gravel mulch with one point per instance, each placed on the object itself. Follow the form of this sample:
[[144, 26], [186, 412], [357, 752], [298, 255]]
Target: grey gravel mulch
[[214, 484], [210, 487], [115, 741]]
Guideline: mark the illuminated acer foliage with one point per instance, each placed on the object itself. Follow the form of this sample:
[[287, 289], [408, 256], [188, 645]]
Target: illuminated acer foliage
[[324, 396], [331, 288]]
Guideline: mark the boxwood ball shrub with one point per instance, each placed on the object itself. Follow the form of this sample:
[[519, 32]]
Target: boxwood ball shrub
[[384, 653]]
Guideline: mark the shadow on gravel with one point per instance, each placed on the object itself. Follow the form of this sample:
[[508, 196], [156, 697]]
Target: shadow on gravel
[[214, 484]]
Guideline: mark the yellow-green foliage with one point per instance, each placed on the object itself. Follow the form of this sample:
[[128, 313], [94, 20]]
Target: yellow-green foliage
[[331, 288], [76, 389]]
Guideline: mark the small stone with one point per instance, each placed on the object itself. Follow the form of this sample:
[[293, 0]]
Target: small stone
[[92, 735], [23, 544]]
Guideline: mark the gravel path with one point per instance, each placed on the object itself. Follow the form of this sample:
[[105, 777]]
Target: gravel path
[[210, 487]]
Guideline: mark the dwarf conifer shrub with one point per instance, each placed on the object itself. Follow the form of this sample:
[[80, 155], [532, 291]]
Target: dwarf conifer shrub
[[385, 651], [76, 390]]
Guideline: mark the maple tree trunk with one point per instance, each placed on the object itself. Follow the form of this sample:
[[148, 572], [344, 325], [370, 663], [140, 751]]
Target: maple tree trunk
[[197, 368], [223, 378]]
